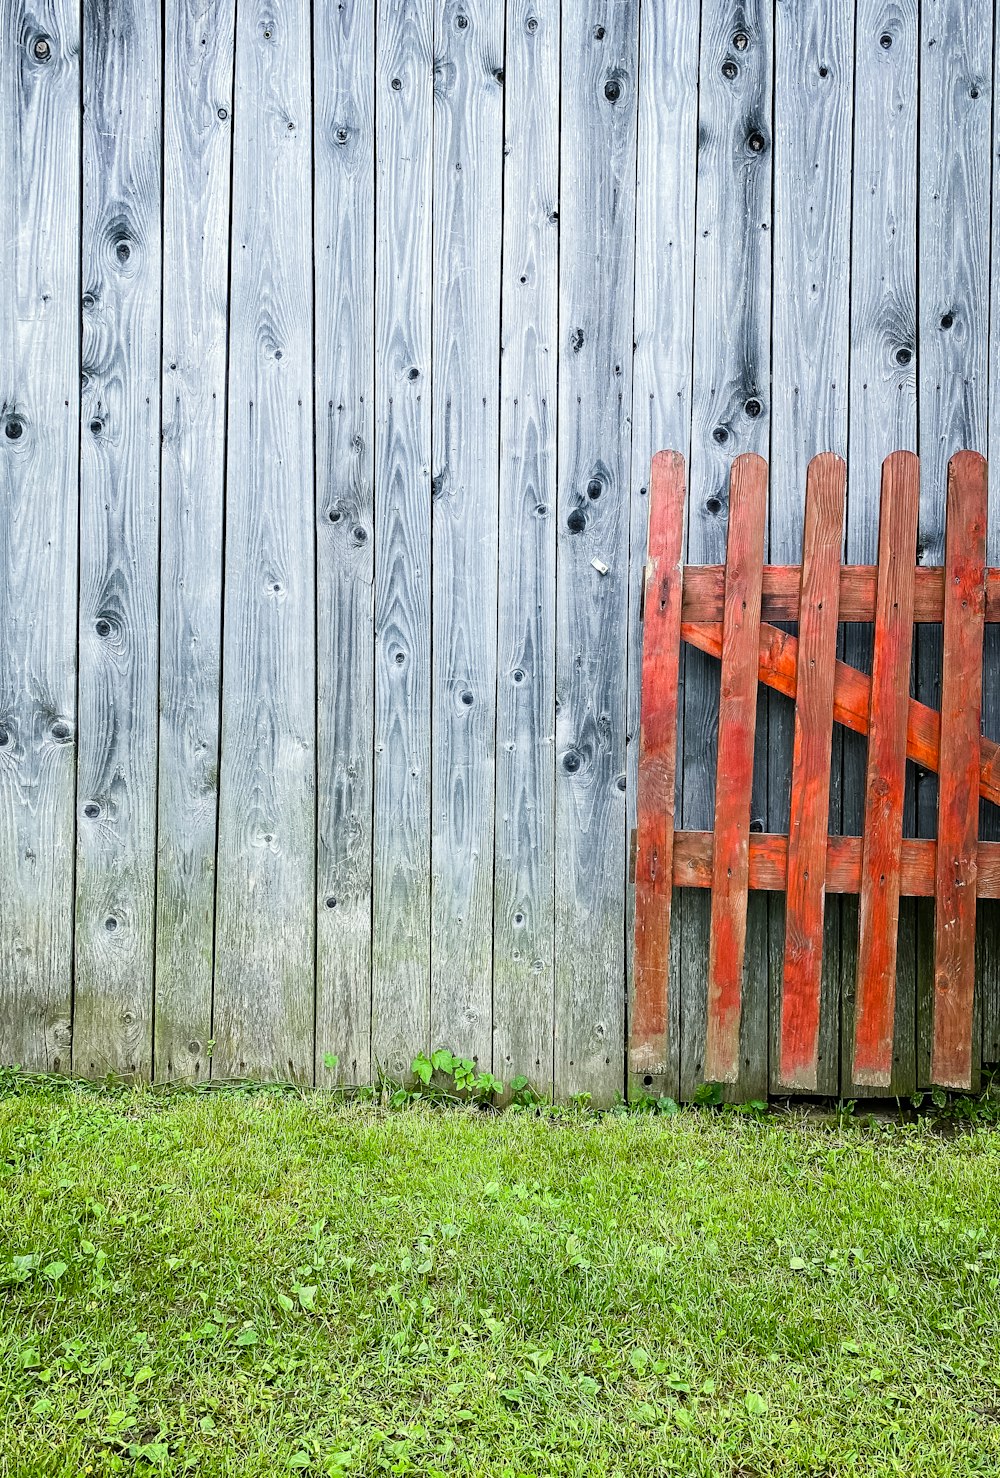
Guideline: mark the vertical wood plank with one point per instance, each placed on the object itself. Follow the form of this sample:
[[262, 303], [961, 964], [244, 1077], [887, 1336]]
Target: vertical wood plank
[[813, 109], [597, 216], [648, 1041], [198, 104], [119, 529], [401, 859], [523, 961], [468, 218], [731, 370], [882, 413], [264, 988], [988, 914], [39, 408], [958, 773], [344, 216], [734, 776], [666, 174], [810, 789], [956, 107], [878, 909]]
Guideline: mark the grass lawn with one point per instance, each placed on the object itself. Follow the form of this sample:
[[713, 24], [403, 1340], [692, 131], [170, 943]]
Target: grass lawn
[[227, 1284]]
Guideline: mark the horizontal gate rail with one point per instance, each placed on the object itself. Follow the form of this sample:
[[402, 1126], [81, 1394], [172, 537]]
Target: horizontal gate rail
[[694, 853], [727, 612], [779, 600]]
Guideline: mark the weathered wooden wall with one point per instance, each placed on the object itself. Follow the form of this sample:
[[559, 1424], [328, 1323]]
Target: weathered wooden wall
[[335, 341]]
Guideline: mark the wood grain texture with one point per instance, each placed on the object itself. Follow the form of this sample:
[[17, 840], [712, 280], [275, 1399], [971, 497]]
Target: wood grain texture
[[694, 856], [666, 177], [813, 108], [737, 730], [778, 660], [344, 220], [39, 407], [649, 1037], [263, 1012], [597, 224], [119, 534], [956, 109], [802, 980], [988, 916], [704, 587], [197, 125], [468, 222], [731, 373], [882, 411], [958, 797], [401, 857], [878, 914], [524, 918]]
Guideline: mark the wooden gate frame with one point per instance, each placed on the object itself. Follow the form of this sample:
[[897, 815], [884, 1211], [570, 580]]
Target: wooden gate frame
[[719, 609]]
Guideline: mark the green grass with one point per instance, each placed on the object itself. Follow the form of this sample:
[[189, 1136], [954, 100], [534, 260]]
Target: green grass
[[259, 1285]]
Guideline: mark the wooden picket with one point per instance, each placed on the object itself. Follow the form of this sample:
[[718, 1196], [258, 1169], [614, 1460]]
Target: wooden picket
[[810, 800], [719, 609]]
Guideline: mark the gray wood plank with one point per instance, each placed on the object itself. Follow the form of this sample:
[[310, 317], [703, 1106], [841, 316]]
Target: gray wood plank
[[468, 222], [524, 920], [882, 410], [813, 98], [401, 858], [730, 414], [956, 100], [344, 206], [39, 409], [666, 177], [197, 128], [119, 519], [264, 986], [597, 215], [988, 912]]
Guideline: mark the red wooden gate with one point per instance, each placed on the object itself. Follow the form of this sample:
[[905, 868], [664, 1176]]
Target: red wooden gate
[[721, 610]]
